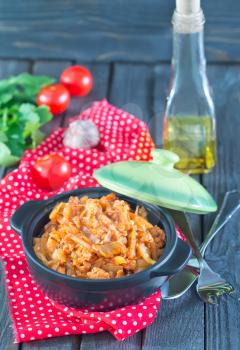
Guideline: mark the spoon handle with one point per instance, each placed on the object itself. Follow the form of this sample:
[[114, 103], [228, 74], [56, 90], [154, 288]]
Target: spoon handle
[[230, 205], [182, 222]]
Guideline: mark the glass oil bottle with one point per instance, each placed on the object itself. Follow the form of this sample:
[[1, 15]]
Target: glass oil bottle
[[189, 120]]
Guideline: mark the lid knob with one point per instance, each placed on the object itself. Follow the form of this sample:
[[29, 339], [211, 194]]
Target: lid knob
[[165, 158]]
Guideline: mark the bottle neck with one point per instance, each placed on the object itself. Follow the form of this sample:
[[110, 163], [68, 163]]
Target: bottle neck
[[188, 54]]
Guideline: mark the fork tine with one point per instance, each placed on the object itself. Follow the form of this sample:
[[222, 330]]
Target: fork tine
[[209, 293], [207, 297], [212, 299]]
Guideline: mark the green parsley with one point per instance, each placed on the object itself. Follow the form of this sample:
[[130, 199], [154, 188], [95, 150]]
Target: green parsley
[[20, 118]]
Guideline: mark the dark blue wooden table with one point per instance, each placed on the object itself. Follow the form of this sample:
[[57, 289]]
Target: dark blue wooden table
[[127, 46]]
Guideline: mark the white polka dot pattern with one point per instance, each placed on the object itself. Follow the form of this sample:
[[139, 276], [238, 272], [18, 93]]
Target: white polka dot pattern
[[34, 315]]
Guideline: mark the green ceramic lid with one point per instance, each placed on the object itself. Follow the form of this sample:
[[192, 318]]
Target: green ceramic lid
[[157, 182]]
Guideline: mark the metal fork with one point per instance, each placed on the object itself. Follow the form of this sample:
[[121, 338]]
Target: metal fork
[[210, 284], [179, 284]]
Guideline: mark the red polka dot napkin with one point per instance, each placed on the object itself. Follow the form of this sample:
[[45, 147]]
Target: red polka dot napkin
[[34, 316]]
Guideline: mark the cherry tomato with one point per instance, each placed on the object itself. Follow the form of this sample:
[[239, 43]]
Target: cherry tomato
[[78, 80], [55, 96], [51, 171]]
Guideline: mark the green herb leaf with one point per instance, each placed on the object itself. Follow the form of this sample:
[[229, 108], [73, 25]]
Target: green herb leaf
[[3, 137], [6, 158], [37, 137], [20, 118], [44, 114], [22, 88]]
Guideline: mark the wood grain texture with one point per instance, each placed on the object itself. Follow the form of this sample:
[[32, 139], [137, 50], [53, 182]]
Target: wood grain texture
[[6, 330], [13, 67], [52, 68], [132, 90], [161, 83], [58, 343], [223, 320], [137, 30], [2, 169], [105, 341], [179, 325]]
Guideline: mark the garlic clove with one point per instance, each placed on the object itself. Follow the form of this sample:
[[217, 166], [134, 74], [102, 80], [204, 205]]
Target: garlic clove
[[81, 134]]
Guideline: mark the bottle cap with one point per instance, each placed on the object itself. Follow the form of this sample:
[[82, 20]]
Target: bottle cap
[[188, 7], [188, 16]]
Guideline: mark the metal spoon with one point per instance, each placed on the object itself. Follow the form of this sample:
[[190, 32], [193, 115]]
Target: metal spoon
[[179, 284]]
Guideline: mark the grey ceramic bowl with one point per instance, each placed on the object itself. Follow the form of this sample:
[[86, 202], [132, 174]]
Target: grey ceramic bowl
[[98, 294]]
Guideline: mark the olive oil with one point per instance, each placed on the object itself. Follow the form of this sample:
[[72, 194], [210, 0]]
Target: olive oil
[[193, 139], [189, 118]]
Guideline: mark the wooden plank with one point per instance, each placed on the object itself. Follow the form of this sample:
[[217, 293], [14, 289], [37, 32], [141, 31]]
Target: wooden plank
[[13, 67], [52, 68], [180, 322], [7, 68], [58, 343], [179, 325], [138, 30], [106, 341], [174, 315], [132, 90], [223, 320], [6, 330], [161, 83], [2, 169]]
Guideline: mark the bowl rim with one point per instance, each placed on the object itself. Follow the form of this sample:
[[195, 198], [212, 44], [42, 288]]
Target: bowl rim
[[138, 276]]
